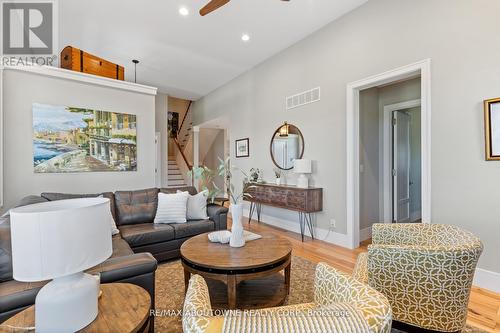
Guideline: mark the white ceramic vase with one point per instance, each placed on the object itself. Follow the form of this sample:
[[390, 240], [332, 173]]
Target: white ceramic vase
[[237, 239], [278, 181]]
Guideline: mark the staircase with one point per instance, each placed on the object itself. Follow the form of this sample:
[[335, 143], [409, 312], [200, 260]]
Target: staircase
[[175, 177], [185, 129]]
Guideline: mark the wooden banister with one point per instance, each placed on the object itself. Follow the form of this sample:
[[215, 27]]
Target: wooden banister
[[190, 166], [184, 118]]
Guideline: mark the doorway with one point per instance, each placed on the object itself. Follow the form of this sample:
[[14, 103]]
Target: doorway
[[356, 166], [406, 169]]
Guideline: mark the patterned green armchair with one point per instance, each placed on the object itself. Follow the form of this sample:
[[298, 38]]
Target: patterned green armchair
[[341, 305], [425, 270]]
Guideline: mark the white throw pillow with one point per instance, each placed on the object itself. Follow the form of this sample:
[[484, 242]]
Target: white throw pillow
[[172, 208], [114, 229], [197, 206], [112, 223]]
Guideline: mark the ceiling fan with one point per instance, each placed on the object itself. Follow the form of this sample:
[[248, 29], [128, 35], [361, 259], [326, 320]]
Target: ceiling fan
[[215, 4]]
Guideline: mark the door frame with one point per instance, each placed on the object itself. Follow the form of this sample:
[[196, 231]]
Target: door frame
[[387, 158], [422, 69]]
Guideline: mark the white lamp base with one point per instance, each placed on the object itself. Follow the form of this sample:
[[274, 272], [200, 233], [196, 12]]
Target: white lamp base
[[303, 181], [67, 304]]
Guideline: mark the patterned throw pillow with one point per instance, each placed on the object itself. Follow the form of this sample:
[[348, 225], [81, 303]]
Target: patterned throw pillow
[[172, 208]]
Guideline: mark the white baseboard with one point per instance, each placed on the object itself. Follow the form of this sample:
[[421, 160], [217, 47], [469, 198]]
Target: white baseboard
[[294, 226], [487, 280], [365, 234]]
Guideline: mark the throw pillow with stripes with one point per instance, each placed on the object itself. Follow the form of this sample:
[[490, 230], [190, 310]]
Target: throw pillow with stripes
[[172, 208]]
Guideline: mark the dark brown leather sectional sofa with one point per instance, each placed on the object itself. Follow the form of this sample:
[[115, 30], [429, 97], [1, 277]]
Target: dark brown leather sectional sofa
[[136, 249]]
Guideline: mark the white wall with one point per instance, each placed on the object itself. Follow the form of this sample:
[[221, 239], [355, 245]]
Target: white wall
[[161, 126], [376, 37], [216, 151], [22, 89]]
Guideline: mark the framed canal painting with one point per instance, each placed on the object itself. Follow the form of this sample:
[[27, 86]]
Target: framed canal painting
[[492, 129], [70, 139]]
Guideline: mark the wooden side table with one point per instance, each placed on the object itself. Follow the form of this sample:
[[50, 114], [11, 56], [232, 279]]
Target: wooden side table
[[123, 308], [305, 201]]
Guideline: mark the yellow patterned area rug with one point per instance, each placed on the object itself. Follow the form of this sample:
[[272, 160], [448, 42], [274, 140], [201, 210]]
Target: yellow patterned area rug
[[170, 293]]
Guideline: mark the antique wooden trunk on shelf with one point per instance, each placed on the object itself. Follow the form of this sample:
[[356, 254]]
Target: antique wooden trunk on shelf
[[80, 61]]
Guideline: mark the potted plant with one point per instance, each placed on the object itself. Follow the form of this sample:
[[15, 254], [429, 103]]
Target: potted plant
[[254, 175], [207, 183], [237, 239], [277, 173]]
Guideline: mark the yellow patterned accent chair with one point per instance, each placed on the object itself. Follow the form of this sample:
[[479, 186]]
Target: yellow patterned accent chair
[[341, 305], [425, 270]]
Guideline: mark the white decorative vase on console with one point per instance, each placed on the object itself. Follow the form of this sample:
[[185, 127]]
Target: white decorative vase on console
[[237, 239]]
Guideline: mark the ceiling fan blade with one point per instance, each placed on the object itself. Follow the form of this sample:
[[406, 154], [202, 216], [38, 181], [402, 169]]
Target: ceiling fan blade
[[212, 5]]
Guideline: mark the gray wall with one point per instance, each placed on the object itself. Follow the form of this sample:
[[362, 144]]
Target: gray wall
[[370, 154], [376, 37], [22, 89]]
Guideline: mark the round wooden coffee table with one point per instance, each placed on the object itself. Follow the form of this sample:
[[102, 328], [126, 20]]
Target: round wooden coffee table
[[123, 307], [251, 271]]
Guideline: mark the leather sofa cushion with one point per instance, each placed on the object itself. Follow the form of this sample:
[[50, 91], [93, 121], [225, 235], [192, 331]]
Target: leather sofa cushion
[[146, 233], [191, 189], [54, 196], [15, 294], [120, 247], [192, 228], [122, 268], [5, 251], [136, 207]]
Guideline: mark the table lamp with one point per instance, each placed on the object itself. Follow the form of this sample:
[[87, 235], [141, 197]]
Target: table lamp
[[302, 167], [59, 240]]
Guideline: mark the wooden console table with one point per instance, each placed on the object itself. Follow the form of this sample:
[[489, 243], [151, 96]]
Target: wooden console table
[[305, 201]]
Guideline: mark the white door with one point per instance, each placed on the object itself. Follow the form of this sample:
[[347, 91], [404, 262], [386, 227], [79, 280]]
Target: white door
[[401, 167]]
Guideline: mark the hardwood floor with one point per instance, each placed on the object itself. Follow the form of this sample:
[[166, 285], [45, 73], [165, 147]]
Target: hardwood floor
[[484, 305]]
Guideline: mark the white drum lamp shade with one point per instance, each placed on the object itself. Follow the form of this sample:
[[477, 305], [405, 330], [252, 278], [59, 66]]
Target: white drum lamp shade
[[302, 167], [59, 240]]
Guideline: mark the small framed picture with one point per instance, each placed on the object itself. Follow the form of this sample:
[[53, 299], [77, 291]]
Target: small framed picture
[[243, 148], [492, 129]]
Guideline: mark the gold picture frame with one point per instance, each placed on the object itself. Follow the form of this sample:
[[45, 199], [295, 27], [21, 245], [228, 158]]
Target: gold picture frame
[[492, 129]]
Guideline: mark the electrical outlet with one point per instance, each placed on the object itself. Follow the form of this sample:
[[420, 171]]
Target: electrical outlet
[[333, 223]]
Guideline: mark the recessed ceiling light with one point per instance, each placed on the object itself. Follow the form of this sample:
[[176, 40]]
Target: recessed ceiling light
[[245, 37], [184, 11]]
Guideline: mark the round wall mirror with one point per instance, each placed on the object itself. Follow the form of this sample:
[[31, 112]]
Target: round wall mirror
[[287, 145]]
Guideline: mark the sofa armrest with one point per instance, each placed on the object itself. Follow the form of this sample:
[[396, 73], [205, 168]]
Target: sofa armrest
[[360, 272], [218, 214], [122, 268], [332, 286], [197, 312], [31, 199]]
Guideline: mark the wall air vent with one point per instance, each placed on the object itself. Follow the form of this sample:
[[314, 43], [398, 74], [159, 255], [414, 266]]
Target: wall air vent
[[306, 97]]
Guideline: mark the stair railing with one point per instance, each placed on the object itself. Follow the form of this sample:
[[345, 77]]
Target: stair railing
[[179, 139]]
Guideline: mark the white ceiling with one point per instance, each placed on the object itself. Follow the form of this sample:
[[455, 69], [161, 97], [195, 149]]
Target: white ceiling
[[190, 56]]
